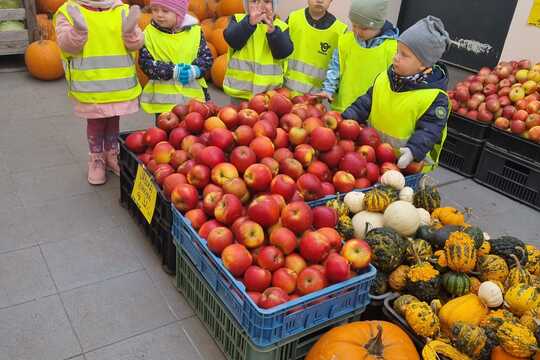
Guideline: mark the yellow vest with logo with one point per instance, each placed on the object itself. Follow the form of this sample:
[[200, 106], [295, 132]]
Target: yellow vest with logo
[[253, 69], [313, 49], [359, 67], [181, 48], [104, 71], [395, 114]]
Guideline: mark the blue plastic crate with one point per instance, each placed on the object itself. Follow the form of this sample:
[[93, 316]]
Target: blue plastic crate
[[266, 327]]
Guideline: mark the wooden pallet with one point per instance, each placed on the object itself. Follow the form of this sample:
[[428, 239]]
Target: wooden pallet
[[15, 42]]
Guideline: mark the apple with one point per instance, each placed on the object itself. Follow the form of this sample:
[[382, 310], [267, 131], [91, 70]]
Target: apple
[[271, 117], [322, 138], [180, 111], [504, 101], [297, 217], [330, 121], [236, 258], [349, 130], [389, 166], [195, 149], [264, 128], [199, 176], [273, 297], [324, 216], [289, 121], [327, 189], [285, 279], [462, 94], [145, 158], [385, 153], [292, 168], [295, 262], [188, 141], [505, 91], [301, 110], [309, 186], [178, 158], [284, 239], [258, 177], [358, 253], [237, 187], [354, 163], [414, 167], [520, 115], [194, 122], [243, 157], [153, 136], [213, 123], [333, 237], [207, 227], [170, 183], [517, 93], [368, 152], [185, 197], [167, 121], [476, 87], [223, 173], [243, 135], [347, 145], [502, 123], [532, 121], [211, 188], [229, 116], [372, 172], [282, 139], [162, 152], [473, 104], [282, 154], [219, 238], [152, 166], [272, 164], [283, 185], [185, 167], [222, 138], [337, 268], [314, 246], [270, 258], [262, 146], [533, 107], [362, 183], [259, 103], [298, 136], [320, 170], [534, 134], [257, 279], [228, 209], [305, 154], [161, 172], [309, 281], [369, 136], [264, 210], [280, 104], [343, 181], [196, 217], [485, 116], [247, 117], [199, 107], [311, 123], [508, 111], [135, 142], [250, 234], [210, 202], [211, 156], [518, 127]]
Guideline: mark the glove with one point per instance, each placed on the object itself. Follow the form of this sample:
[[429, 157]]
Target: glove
[[129, 22], [188, 73], [406, 158], [77, 18]]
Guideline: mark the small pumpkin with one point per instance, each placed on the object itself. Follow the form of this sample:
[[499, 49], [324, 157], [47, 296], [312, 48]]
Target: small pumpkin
[[365, 221], [402, 217], [407, 194], [468, 309], [398, 278], [441, 263], [477, 235], [354, 201], [533, 260], [388, 248], [516, 339], [448, 216], [474, 285], [418, 250], [422, 319], [434, 348], [379, 286], [376, 200], [425, 218], [218, 70], [492, 267], [345, 227], [423, 281], [504, 246], [491, 294], [427, 196], [496, 318], [530, 320], [392, 193], [498, 353], [426, 232], [522, 297], [442, 234], [338, 205], [469, 339], [518, 274], [456, 284], [484, 249], [460, 252], [401, 303], [394, 179]]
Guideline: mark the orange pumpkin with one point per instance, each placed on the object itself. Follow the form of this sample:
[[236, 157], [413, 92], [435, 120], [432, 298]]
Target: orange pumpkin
[[45, 27], [218, 40], [219, 68], [230, 7], [498, 353], [143, 79], [207, 27], [212, 50], [43, 60], [367, 340], [222, 22], [145, 20], [199, 8], [49, 6], [212, 7]]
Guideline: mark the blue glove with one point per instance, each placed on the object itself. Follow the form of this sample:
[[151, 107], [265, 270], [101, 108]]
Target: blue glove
[[188, 73]]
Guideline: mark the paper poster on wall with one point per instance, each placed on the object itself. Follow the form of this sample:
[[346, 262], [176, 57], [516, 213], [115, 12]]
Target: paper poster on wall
[[534, 16]]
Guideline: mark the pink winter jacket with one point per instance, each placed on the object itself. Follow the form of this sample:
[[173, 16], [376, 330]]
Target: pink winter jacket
[[72, 41]]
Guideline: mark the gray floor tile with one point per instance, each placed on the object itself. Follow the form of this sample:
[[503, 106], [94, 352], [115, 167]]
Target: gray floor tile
[[202, 341], [24, 277], [17, 229], [34, 158], [37, 330], [10, 199], [116, 309], [176, 302], [443, 176], [89, 258]]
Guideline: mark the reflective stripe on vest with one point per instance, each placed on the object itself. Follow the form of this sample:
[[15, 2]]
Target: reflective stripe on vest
[[359, 67], [104, 71], [180, 48], [395, 114], [313, 49], [253, 69]]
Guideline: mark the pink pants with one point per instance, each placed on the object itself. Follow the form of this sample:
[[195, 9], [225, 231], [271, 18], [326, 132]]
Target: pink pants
[[102, 134]]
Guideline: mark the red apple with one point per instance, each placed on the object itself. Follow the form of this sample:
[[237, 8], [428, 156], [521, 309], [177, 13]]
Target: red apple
[[264, 210], [333, 237], [369, 136], [280, 104], [262, 146], [271, 117], [385, 153], [180, 111], [273, 297], [229, 116], [188, 141], [196, 217], [211, 188], [502, 123], [309, 281], [282, 139], [258, 177], [250, 234], [178, 158], [289, 121], [295, 262], [284, 239], [301, 110], [207, 227], [533, 107], [199, 176], [285, 279], [518, 127], [186, 167], [309, 186], [327, 189], [322, 138], [305, 154], [508, 111], [297, 217], [270, 258], [135, 142], [311, 123], [170, 183], [223, 173], [163, 152], [145, 158], [194, 122], [324, 216], [283, 185], [264, 128], [211, 156], [353, 163], [358, 253], [347, 145], [259, 103], [372, 172], [167, 121], [349, 130], [248, 117], [228, 209], [153, 136], [243, 157], [272, 164], [332, 157], [222, 138], [298, 136], [257, 279], [185, 197], [337, 268], [520, 115], [195, 150], [219, 238], [282, 154], [532, 121], [236, 258], [319, 169], [162, 172], [362, 183], [534, 134], [292, 168], [243, 135], [199, 107], [343, 181], [237, 187], [210, 202], [314, 246]]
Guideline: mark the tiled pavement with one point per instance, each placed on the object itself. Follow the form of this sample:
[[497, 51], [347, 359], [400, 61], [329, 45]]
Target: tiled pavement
[[78, 280]]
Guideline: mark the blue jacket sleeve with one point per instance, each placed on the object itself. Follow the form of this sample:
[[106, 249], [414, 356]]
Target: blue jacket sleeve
[[429, 128], [238, 33], [155, 69], [331, 83], [280, 43], [361, 108]]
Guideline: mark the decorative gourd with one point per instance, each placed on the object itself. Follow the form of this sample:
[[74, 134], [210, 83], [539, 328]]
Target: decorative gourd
[[474, 285], [366, 218], [441, 235], [402, 217], [394, 179], [436, 305], [518, 275], [426, 232], [530, 320], [516, 339], [441, 263], [477, 235], [460, 252], [469, 339], [456, 284], [484, 249], [376, 200], [401, 303], [496, 318], [345, 227], [506, 245], [422, 319], [425, 218], [434, 348], [427, 196], [418, 250], [522, 297], [491, 294], [492, 267], [398, 278], [448, 216], [379, 286], [341, 208], [533, 260], [43, 60], [468, 309], [423, 281], [388, 248], [354, 201], [407, 194], [498, 353], [392, 193], [367, 340]]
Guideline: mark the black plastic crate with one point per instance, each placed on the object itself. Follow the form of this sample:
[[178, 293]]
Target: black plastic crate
[[509, 174], [474, 129], [461, 153], [158, 232], [515, 144]]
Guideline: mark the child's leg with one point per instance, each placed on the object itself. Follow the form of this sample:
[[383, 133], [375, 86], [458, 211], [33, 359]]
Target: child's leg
[[112, 129], [95, 133]]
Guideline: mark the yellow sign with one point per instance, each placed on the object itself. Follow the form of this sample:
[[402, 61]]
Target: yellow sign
[[534, 15], [144, 194]]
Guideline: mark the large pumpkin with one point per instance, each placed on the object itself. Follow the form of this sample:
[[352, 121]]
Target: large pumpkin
[[145, 20], [230, 7], [45, 27], [222, 22], [43, 60], [367, 340], [207, 27], [199, 8], [49, 6], [218, 40], [219, 68], [143, 79]]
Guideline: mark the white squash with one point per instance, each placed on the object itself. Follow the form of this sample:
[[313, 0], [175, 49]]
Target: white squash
[[490, 294], [406, 194], [402, 217], [425, 217], [394, 179], [486, 236], [354, 201], [359, 221]]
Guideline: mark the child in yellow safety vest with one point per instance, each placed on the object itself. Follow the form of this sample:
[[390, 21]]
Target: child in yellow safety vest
[[175, 58], [258, 45], [97, 39], [315, 33], [361, 54], [408, 103]]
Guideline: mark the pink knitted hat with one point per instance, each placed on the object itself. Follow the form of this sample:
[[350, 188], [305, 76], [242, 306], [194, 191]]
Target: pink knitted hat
[[179, 7]]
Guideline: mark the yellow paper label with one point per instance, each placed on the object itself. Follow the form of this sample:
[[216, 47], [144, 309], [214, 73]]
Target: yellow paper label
[[144, 194], [534, 15]]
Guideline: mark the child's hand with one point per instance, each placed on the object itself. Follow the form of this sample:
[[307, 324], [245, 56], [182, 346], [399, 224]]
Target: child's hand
[[255, 16], [77, 18], [268, 20], [325, 95], [406, 158], [129, 23], [188, 73]]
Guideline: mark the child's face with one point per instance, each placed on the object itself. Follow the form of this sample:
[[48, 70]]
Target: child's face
[[365, 33], [163, 17], [319, 6], [260, 6], [405, 62]]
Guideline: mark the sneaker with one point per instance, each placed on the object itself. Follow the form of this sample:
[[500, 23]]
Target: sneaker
[[111, 158], [96, 169]]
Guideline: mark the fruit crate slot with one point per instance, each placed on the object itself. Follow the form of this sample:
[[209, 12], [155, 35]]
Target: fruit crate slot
[[515, 144], [266, 327], [461, 153], [474, 129], [510, 175], [16, 42], [228, 333], [158, 232]]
